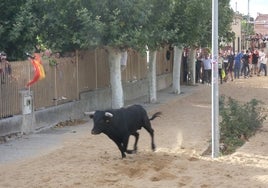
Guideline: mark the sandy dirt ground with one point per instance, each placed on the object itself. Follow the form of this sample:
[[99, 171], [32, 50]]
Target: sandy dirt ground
[[182, 134]]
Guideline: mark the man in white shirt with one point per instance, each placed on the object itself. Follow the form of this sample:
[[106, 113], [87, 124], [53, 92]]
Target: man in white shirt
[[263, 62], [207, 69]]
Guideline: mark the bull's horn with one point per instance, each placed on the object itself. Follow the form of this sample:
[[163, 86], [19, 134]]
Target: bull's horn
[[108, 114], [89, 113]]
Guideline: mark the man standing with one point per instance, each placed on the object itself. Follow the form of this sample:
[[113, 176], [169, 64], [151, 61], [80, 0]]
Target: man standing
[[255, 58], [230, 64], [245, 67], [207, 69], [262, 61], [220, 63], [198, 66], [237, 64]]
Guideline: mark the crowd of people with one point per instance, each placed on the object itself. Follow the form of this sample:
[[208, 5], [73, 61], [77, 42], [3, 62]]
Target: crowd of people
[[232, 66]]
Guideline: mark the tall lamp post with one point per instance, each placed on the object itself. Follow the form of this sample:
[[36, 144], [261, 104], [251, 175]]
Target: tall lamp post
[[215, 85], [248, 22]]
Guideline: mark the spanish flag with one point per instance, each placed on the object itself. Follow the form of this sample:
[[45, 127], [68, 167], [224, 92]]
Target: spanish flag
[[39, 72]]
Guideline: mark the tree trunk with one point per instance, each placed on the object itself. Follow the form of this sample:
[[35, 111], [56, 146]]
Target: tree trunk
[[191, 66], [115, 78], [176, 86], [152, 77]]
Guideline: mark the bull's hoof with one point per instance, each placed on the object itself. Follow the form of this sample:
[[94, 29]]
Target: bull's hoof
[[153, 147], [131, 151]]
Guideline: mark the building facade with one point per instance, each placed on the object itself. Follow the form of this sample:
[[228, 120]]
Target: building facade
[[261, 24], [261, 30], [237, 29]]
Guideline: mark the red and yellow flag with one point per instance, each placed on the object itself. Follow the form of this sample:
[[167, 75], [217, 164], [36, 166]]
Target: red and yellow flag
[[39, 72]]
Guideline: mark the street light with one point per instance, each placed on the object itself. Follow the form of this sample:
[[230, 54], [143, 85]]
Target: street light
[[215, 86]]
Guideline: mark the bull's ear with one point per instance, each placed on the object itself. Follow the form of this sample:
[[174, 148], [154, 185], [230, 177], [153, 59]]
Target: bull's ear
[[90, 114]]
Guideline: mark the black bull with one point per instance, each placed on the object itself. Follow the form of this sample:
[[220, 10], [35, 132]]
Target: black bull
[[119, 124]]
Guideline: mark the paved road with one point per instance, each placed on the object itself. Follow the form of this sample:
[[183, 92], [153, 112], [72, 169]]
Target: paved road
[[45, 141]]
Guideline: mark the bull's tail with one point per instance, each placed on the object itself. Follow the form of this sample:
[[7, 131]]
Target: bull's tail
[[157, 114]]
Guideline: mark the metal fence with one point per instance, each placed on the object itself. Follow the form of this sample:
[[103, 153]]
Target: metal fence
[[67, 77]]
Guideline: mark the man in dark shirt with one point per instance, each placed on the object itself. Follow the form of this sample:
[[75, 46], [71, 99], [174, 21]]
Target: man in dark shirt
[[245, 67], [255, 58], [231, 64], [198, 66]]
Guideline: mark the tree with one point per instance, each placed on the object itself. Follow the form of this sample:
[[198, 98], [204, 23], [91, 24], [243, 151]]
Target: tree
[[67, 25], [226, 15], [120, 24], [131, 24], [156, 36], [17, 28], [54, 24], [181, 29]]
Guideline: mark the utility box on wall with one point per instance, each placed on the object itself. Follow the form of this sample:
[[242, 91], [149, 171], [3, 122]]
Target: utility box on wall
[[27, 104], [28, 120], [27, 101]]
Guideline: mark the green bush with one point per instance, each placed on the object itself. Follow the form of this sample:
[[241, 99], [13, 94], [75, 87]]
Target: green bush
[[238, 122]]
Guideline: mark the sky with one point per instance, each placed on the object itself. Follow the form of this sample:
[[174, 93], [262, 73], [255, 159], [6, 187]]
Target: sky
[[255, 6]]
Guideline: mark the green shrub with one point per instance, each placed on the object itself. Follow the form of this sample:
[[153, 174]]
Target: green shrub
[[238, 122]]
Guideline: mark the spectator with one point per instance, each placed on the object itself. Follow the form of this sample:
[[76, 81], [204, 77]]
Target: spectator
[[220, 63], [255, 58], [207, 69], [245, 67], [230, 66], [250, 62], [262, 61], [198, 66], [185, 65], [237, 64], [225, 62]]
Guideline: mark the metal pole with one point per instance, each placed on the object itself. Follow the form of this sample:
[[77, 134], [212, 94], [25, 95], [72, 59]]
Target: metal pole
[[215, 86], [248, 21]]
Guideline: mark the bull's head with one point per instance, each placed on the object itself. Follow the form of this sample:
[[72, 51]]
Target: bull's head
[[101, 119]]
